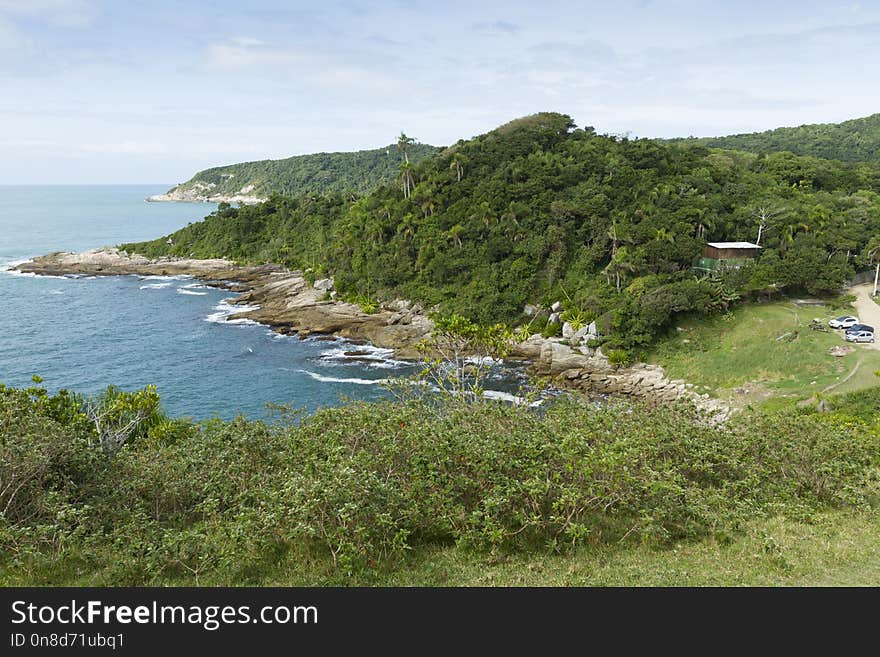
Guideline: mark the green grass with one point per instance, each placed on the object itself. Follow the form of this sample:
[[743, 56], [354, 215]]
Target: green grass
[[738, 356], [833, 549], [830, 549]]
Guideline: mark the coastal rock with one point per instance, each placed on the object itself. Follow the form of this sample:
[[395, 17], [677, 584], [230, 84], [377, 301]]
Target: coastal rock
[[556, 307], [595, 376], [282, 299], [285, 301], [201, 192], [323, 284]]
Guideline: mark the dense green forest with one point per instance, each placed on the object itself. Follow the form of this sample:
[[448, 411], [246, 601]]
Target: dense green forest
[[538, 210], [857, 140], [365, 491], [360, 172]]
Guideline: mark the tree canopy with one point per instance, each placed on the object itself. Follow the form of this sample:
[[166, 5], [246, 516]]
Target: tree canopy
[[539, 210]]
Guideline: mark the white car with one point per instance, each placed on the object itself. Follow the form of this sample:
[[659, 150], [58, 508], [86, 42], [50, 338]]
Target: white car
[[860, 336], [843, 322]]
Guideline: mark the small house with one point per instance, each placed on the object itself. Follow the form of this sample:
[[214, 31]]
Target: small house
[[733, 255]]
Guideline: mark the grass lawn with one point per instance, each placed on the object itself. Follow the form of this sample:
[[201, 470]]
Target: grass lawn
[[834, 549], [839, 548], [738, 356]]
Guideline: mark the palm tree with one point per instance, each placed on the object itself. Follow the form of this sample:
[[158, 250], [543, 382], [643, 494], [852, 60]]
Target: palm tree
[[455, 234], [427, 207], [621, 263], [407, 227], [791, 230], [406, 178], [704, 223], [663, 235], [612, 233], [458, 165], [403, 145]]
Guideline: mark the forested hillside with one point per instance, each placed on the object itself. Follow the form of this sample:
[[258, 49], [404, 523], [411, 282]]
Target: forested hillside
[[537, 211], [857, 140], [360, 171]]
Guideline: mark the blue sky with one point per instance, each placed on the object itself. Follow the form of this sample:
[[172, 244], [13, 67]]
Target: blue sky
[[117, 91]]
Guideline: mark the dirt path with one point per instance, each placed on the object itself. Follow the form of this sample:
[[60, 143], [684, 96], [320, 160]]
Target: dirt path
[[846, 378], [867, 309]]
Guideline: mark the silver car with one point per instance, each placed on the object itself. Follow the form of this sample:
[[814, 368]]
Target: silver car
[[860, 336]]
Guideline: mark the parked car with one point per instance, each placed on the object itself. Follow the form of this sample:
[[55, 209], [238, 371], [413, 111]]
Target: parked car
[[845, 321], [860, 336], [855, 328]]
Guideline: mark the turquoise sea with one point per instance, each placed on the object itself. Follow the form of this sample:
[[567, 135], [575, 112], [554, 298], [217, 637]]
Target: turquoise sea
[[86, 333]]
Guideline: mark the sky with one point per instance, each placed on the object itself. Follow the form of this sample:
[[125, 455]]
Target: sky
[[124, 91]]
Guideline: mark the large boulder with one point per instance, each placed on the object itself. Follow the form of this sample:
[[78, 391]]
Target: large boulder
[[556, 357], [323, 284], [531, 347]]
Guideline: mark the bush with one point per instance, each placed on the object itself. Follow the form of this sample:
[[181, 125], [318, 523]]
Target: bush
[[552, 330], [223, 502], [621, 357]]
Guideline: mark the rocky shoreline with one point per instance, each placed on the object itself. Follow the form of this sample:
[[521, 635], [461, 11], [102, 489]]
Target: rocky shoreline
[[199, 192], [287, 302], [280, 298]]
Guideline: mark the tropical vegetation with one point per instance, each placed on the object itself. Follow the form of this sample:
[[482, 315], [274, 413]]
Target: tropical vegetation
[[856, 140], [357, 172], [538, 211], [365, 493]]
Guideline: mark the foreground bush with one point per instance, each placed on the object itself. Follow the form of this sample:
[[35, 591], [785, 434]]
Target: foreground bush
[[361, 484]]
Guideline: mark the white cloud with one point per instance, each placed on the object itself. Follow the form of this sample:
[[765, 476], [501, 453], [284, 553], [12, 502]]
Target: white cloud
[[244, 53]]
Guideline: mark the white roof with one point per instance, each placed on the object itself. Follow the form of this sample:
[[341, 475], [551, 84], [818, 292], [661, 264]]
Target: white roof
[[733, 245]]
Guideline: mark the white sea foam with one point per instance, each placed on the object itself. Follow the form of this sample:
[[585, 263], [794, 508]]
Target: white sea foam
[[7, 268], [55, 292], [485, 360], [367, 355], [181, 290], [156, 277], [508, 397], [224, 309], [155, 286], [333, 379], [195, 286]]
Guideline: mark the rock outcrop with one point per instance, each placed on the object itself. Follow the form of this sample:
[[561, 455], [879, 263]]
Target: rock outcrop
[[201, 192], [285, 300], [588, 370]]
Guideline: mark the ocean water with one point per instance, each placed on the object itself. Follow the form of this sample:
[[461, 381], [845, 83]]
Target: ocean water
[[86, 333]]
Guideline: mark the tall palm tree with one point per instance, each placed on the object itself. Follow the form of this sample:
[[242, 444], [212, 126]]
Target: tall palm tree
[[406, 178], [458, 165], [455, 234], [621, 263], [403, 145], [427, 207]]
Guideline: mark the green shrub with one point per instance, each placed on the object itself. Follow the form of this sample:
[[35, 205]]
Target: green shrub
[[224, 502], [552, 330], [620, 357]]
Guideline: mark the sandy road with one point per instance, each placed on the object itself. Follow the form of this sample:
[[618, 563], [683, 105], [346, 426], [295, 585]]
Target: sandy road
[[867, 309]]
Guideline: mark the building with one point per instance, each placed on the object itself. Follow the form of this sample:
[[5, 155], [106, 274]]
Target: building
[[718, 255]]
